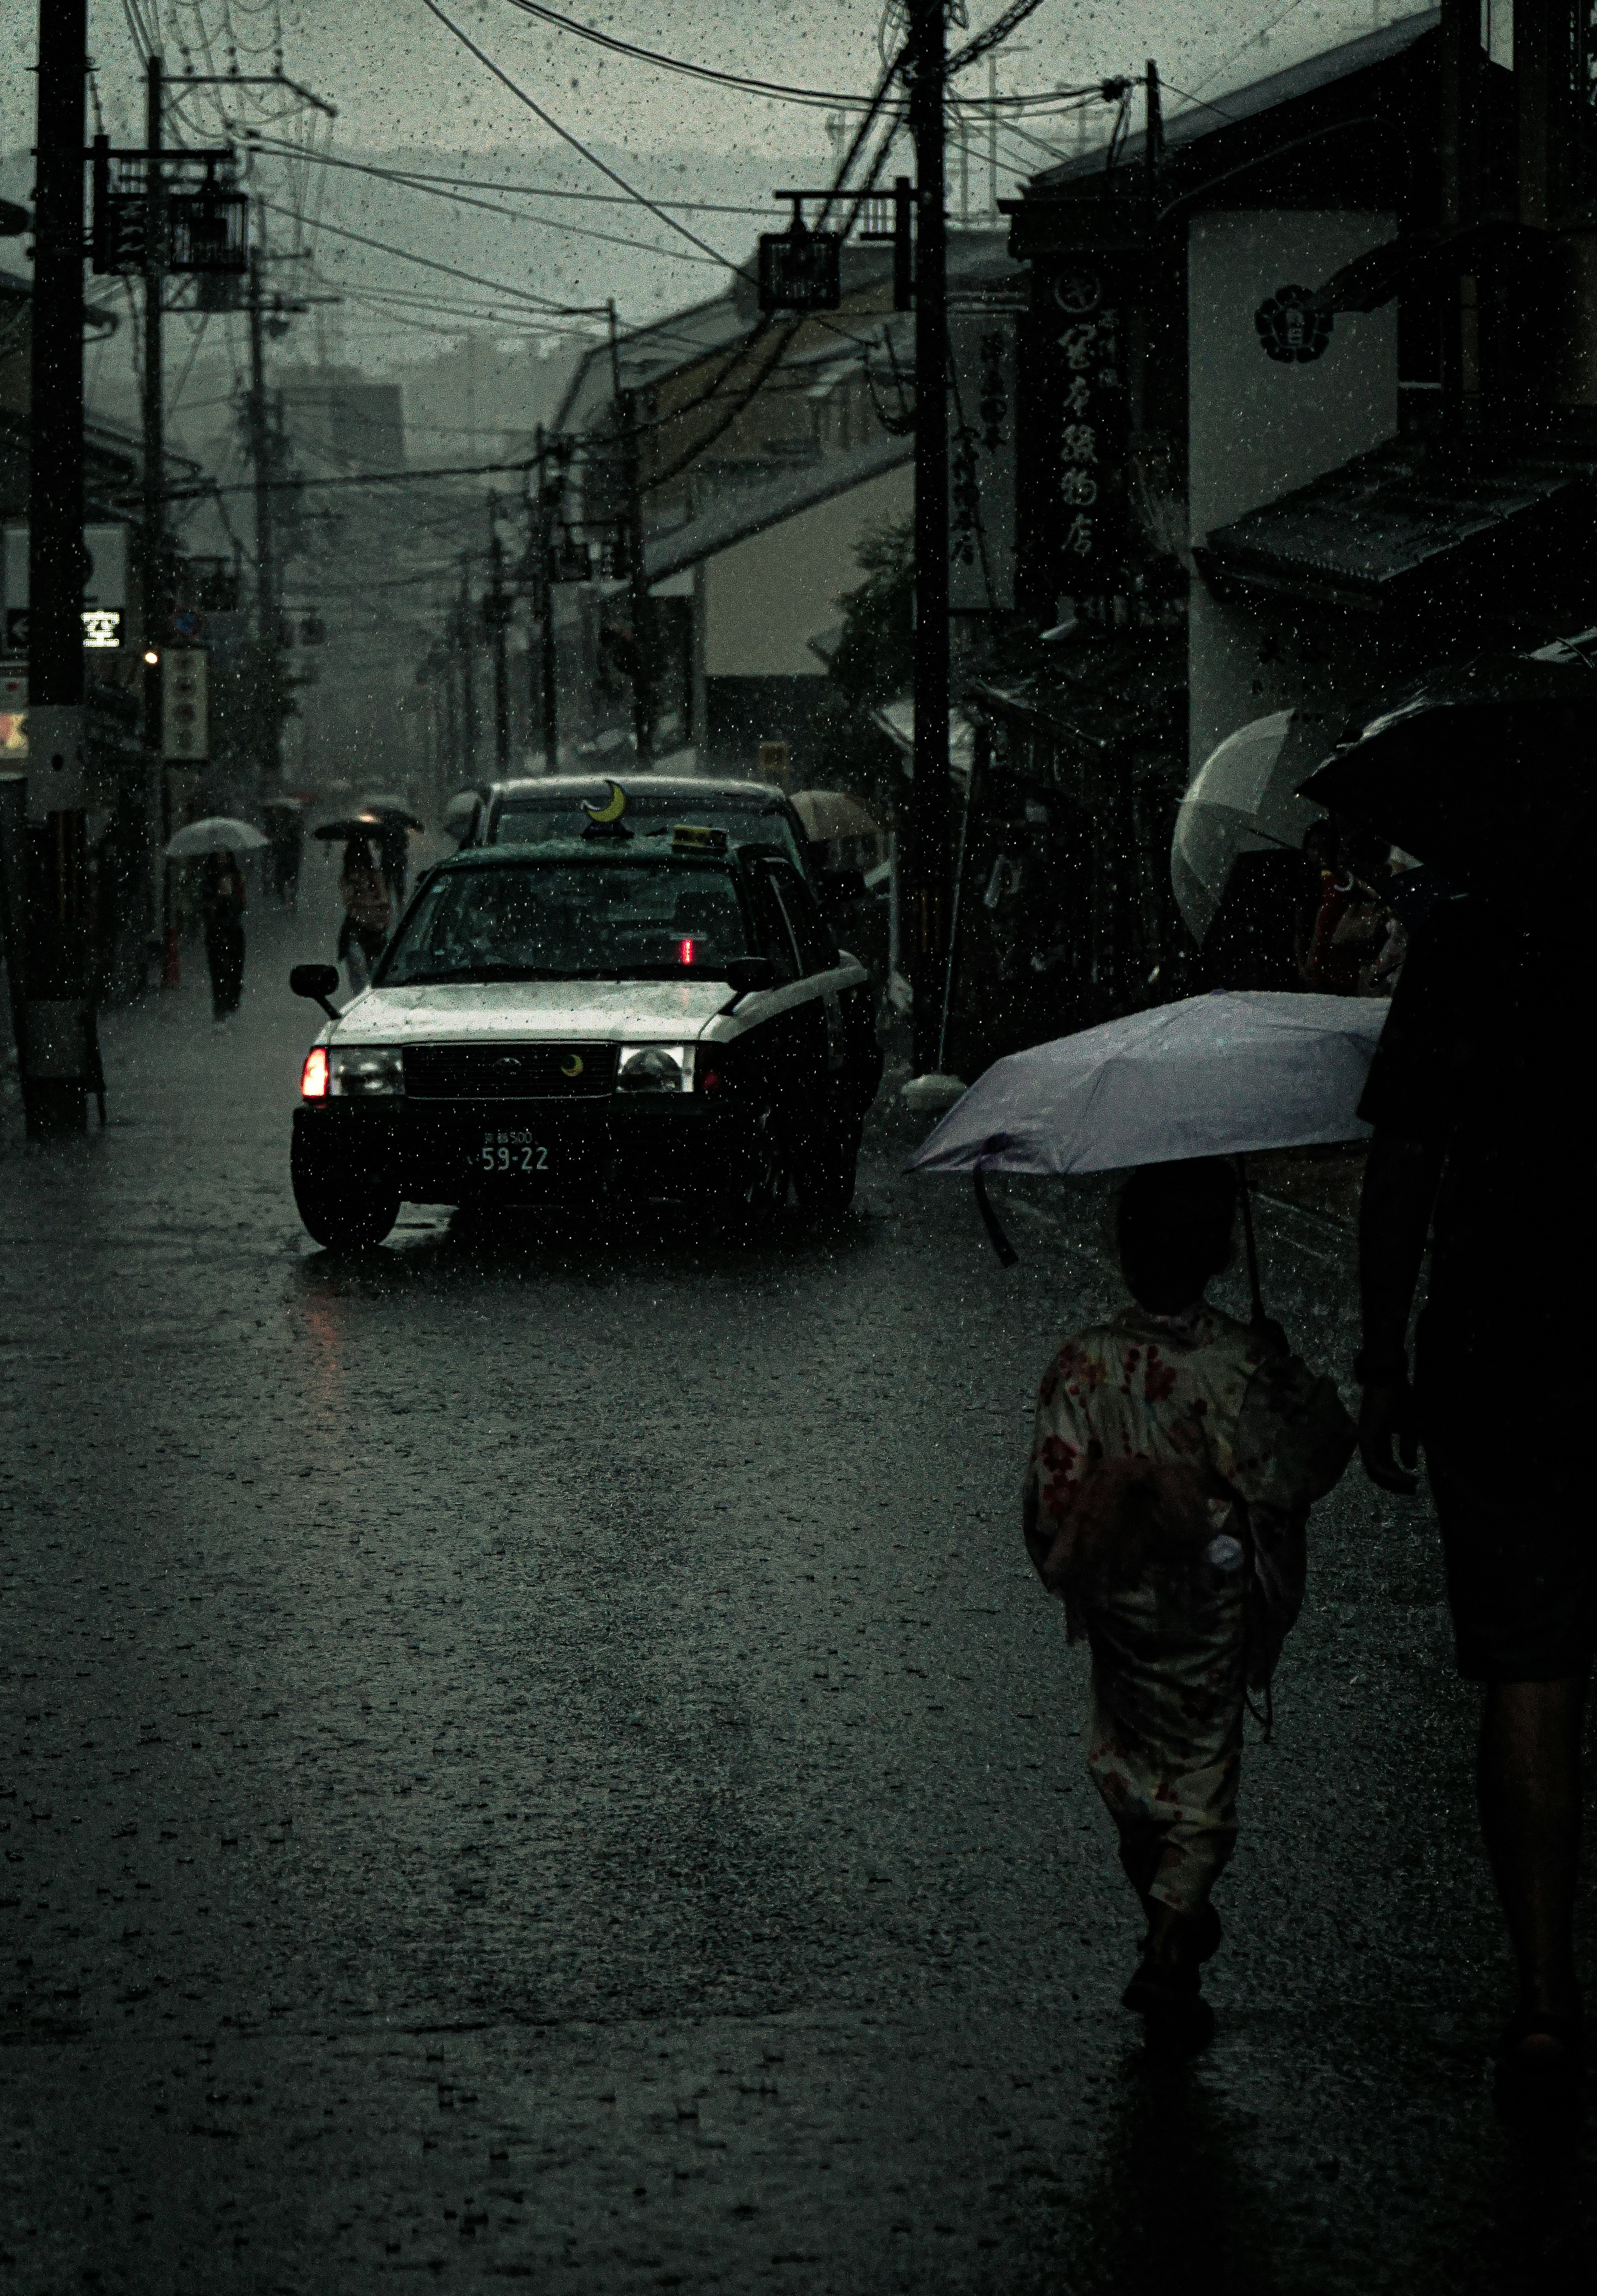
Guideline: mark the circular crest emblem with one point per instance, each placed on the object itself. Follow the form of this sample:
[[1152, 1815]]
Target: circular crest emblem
[[571, 1066], [1078, 293], [1291, 327]]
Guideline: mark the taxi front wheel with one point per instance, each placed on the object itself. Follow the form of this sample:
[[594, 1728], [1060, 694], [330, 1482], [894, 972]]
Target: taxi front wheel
[[343, 1212], [826, 1172]]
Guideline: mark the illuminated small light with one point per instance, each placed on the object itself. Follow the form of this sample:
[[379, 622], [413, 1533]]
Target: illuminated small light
[[150, 656], [684, 952], [314, 1076]]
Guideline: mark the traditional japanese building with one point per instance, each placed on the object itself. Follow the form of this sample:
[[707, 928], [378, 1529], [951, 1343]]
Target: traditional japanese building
[[1313, 368]]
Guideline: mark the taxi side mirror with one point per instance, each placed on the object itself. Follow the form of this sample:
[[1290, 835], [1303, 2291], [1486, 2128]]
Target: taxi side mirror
[[748, 974], [317, 981]]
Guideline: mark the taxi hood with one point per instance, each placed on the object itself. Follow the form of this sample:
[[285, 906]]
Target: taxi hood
[[541, 1012]]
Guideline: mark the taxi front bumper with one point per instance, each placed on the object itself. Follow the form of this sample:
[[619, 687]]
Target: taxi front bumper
[[641, 1144]]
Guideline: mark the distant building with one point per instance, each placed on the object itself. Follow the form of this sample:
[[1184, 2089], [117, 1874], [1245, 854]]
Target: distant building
[[765, 453], [1354, 426]]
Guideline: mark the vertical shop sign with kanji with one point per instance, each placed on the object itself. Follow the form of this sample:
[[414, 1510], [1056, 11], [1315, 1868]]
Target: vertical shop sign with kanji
[[1075, 421], [983, 429]]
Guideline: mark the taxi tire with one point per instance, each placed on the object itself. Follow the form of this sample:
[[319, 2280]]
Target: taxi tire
[[341, 1213], [827, 1172]]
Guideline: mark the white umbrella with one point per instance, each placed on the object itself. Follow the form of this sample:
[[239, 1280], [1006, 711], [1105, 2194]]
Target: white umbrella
[[832, 813], [1243, 800], [1234, 1073], [217, 834]]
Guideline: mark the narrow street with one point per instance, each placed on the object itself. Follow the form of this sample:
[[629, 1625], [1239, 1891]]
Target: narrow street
[[540, 1755]]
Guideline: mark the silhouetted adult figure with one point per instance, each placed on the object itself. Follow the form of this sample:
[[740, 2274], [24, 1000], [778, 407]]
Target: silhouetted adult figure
[[367, 915], [1476, 1095], [393, 856], [222, 914]]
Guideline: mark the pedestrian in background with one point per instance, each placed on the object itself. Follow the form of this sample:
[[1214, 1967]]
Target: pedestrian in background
[[1174, 1457], [393, 853], [367, 915], [1482, 1144], [222, 902]]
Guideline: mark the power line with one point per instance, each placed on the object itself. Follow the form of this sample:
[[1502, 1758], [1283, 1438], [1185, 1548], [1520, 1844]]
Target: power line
[[779, 91], [453, 271], [996, 33], [547, 223], [354, 479], [1225, 62], [577, 143], [521, 190]]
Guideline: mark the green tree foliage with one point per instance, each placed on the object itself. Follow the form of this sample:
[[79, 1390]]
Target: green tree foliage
[[874, 659]]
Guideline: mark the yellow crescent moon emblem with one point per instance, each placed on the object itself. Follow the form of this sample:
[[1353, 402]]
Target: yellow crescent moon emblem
[[613, 809], [571, 1065]]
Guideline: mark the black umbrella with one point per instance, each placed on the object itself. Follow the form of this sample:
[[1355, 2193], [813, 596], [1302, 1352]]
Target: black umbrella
[[341, 829], [384, 809], [1471, 766]]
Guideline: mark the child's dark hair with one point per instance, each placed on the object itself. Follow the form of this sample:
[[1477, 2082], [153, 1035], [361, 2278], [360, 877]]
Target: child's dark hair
[[1173, 1227]]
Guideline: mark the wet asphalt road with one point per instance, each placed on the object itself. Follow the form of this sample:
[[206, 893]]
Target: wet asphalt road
[[540, 1757]]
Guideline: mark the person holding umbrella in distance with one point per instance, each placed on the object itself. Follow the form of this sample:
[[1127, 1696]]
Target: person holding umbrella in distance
[[368, 912], [215, 841]]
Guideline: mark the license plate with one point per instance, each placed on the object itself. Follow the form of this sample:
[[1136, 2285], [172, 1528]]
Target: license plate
[[511, 1151]]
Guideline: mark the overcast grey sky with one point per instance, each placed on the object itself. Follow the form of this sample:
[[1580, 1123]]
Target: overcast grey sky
[[398, 76], [401, 78]]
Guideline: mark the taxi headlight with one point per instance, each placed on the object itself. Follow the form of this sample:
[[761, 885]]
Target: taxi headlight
[[366, 1072], [654, 1067]]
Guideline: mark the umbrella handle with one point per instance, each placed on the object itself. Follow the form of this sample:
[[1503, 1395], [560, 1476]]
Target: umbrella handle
[[1007, 1254], [1257, 1302]]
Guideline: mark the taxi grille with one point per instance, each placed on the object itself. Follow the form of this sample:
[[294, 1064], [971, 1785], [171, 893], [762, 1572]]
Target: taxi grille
[[508, 1072]]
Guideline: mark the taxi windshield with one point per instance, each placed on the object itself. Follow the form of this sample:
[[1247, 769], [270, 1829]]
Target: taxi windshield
[[548, 817], [557, 920]]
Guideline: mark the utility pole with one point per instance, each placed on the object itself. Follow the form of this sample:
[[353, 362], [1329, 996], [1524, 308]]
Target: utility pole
[[468, 691], [156, 573], [496, 608], [543, 558], [59, 1059], [924, 890], [992, 135], [263, 464], [642, 604]]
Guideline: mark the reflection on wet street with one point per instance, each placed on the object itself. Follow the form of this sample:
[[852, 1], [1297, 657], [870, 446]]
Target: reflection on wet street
[[535, 1751]]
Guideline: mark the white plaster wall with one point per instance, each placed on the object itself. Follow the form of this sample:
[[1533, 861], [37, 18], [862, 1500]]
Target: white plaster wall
[[1258, 427], [766, 598]]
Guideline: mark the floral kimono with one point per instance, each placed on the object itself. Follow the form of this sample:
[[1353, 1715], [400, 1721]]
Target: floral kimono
[[1175, 1647]]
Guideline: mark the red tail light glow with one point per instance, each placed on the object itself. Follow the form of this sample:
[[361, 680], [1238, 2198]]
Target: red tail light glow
[[314, 1075], [684, 952]]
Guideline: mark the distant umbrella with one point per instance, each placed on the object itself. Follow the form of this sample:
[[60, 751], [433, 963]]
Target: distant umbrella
[[330, 830], [391, 808], [1243, 800], [462, 805], [216, 834], [827, 814]]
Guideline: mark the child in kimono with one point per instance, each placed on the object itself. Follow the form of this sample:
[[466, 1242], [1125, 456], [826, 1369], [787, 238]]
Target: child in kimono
[[1177, 1453]]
